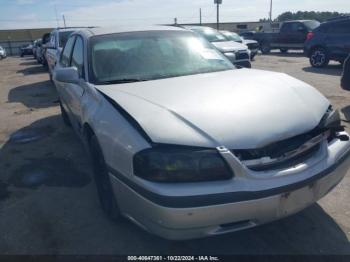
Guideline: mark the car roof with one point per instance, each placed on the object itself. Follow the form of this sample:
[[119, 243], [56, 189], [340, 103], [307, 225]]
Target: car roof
[[300, 21], [336, 20], [127, 29], [197, 27], [68, 29]]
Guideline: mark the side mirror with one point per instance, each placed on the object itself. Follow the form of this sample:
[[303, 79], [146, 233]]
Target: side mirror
[[50, 46], [67, 75]]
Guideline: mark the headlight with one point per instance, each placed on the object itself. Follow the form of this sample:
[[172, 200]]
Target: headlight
[[331, 120], [180, 164]]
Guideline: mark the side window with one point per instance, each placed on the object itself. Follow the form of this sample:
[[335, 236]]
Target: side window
[[78, 56], [323, 29], [287, 27], [65, 57], [297, 27], [53, 40], [341, 28]]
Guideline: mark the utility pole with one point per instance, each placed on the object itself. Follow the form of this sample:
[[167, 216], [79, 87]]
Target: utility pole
[[270, 11], [64, 21], [200, 16], [218, 3], [218, 15]]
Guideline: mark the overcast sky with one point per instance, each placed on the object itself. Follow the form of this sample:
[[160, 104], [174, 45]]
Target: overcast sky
[[42, 13]]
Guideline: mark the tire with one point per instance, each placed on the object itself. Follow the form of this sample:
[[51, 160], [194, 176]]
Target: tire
[[252, 57], [265, 48], [65, 117], [247, 64], [284, 50], [50, 75], [104, 187], [319, 57]]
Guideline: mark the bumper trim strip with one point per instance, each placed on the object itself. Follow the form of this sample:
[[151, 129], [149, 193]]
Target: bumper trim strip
[[220, 198]]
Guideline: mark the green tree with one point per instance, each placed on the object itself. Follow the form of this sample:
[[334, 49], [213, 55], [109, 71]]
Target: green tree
[[308, 15]]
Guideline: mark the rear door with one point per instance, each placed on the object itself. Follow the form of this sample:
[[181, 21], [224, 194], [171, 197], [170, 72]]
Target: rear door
[[51, 51], [63, 88], [292, 35], [338, 40], [346, 36]]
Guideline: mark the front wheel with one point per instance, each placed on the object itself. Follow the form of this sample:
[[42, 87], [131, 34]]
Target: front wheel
[[265, 48], [319, 58], [102, 180], [284, 50]]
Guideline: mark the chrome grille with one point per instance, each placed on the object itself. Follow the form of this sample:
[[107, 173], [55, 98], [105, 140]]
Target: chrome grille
[[283, 154], [242, 56]]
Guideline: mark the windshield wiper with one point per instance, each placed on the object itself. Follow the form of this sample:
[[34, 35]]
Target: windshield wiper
[[121, 81]]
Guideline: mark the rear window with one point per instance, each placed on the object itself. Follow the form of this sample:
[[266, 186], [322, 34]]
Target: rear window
[[63, 36], [311, 25]]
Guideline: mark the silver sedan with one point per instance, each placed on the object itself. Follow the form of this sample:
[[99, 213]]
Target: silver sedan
[[185, 145]]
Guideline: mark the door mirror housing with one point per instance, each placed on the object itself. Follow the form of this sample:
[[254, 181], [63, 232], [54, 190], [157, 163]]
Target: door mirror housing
[[49, 46], [67, 75]]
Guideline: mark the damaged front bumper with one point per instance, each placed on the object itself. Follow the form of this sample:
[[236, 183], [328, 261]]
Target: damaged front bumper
[[250, 199]]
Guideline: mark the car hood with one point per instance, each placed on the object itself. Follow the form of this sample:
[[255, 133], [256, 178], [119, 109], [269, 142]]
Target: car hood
[[246, 42], [238, 109], [229, 46]]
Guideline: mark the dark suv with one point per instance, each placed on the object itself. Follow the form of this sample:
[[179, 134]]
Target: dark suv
[[345, 80], [330, 41]]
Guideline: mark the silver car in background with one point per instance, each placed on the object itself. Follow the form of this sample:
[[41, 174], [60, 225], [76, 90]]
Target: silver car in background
[[185, 145], [57, 40], [237, 53], [252, 44], [35, 46]]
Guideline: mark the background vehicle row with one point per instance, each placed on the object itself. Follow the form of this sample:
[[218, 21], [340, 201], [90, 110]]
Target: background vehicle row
[[237, 53], [292, 35]]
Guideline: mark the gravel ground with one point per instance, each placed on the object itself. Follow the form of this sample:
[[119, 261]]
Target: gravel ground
[[48, 201]]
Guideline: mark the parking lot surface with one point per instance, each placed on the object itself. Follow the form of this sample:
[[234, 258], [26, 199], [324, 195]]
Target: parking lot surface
[[48, 201]]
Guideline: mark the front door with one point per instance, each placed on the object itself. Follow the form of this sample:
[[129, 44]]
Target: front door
[[74, 92]]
